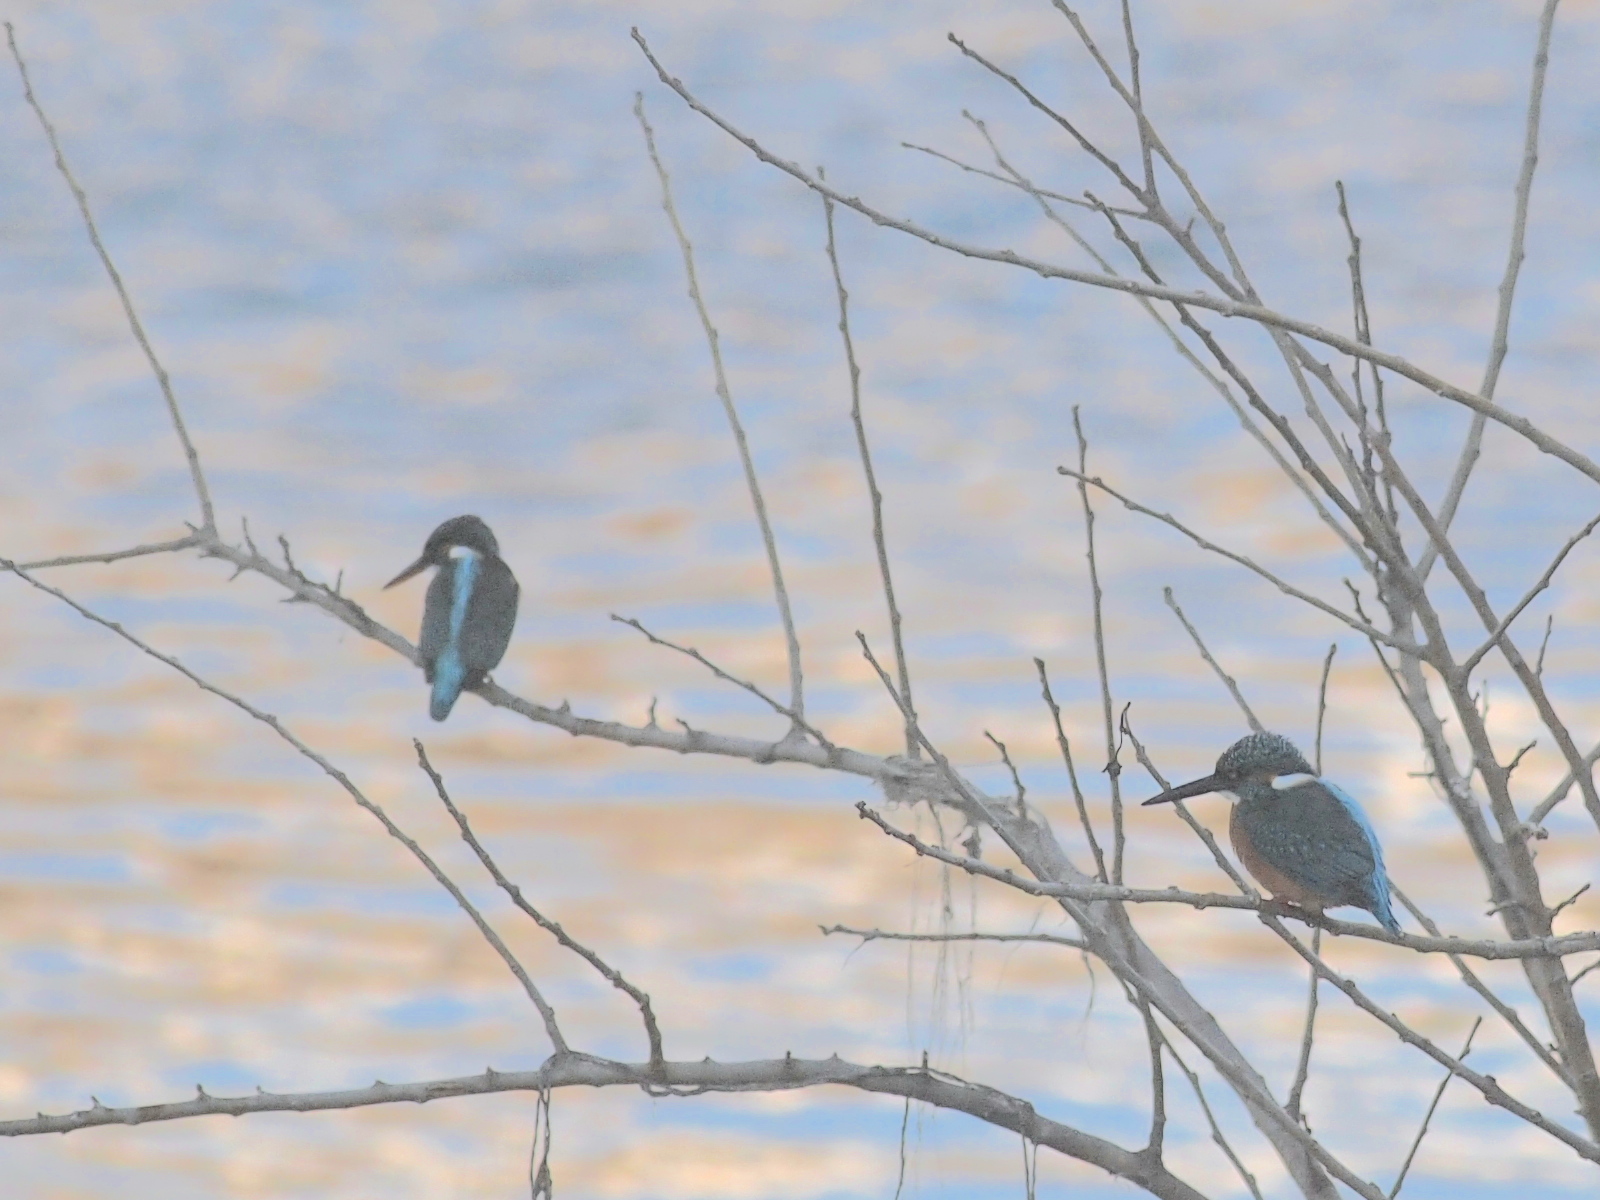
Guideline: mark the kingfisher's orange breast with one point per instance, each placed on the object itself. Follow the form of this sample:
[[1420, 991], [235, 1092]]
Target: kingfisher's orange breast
[[1264, 873]]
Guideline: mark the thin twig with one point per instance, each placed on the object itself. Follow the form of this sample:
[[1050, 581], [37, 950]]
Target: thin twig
[[1217, 1135], [545, 1011], [874, 935], [1138, 99], [1060, 197], [1427, 1118], [1113, 766], [798, 721], [1363, 328], [1310, 469], [111, 556], [1226, 306], [1322, 702], [1493, 640], [1200, 645], [1302, 1070], [1508, 282], [1016, 779], [610, 974], [1550, 947], [197, 476], [1286, 588], [1158, 1082], [902, 670], [540, 1184], [1072, 775], [796, 683], [1486, 1085], [1200, 831]]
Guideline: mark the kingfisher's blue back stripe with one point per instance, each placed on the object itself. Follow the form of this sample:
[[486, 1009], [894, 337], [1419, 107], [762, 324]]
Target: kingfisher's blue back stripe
[[449, 672]]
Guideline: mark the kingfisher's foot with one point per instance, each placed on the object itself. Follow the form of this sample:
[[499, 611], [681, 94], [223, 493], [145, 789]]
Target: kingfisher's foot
[[1297, 912]]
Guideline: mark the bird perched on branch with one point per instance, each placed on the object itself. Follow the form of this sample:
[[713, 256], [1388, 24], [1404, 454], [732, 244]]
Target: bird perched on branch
[[1304, 839], [469, 612]]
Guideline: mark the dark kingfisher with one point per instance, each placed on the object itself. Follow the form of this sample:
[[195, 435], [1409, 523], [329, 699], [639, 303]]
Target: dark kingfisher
[[471, 607], [1304, 839]]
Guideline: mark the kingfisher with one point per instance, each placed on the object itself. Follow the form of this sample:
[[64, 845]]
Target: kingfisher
[[1303, 838], [469, 612]]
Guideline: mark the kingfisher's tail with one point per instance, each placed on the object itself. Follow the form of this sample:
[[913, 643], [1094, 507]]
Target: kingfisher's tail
[[449, 677], [1381, 907]]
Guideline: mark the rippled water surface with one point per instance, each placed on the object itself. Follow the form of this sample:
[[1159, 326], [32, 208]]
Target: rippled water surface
[[408, 260]]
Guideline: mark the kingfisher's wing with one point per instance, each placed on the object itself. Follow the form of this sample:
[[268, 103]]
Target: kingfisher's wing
[[1319, 837], [436, 618], [491, 615]]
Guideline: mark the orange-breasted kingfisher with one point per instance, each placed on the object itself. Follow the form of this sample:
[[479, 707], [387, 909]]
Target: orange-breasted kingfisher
[[469, 612], [1304, 839]]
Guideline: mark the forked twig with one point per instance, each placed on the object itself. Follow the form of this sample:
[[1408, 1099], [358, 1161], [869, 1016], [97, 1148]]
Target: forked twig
[[610, 974], [713, 340], [1072, 774], [796, 720]]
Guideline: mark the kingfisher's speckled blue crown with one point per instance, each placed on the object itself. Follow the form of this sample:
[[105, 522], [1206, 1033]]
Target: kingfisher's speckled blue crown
[[1262, 755]]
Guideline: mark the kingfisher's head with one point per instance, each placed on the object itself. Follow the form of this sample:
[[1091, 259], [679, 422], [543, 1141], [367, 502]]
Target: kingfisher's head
[[467, 531], [1260, 758]]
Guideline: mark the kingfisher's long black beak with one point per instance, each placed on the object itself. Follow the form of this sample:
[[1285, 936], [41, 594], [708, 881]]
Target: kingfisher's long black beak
[[1195, 787], [421, 564]]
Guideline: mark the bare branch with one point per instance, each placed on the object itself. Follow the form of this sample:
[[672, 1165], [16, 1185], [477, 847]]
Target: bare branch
[[610, 974], [902, 671], [1550, 947], [923, 1084], [1302, 1070], [1113, 767], [1288, 589], [111, 556], [1182, 809], [874, 935], [1060, 197], [1486, 1085], [1322, 701], [1016, 779], [1227, 307], [1138, 98], [208, 518], [796, 683], [1071, 130], [1217, 1135], [1427, 1118], [797, 721], [1499, 631], [1158, 1082], [1508, 282], [1200, 645], [1072, 774], [489, 935]]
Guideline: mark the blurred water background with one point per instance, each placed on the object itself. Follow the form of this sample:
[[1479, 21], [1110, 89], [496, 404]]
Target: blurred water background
[[406, 260]]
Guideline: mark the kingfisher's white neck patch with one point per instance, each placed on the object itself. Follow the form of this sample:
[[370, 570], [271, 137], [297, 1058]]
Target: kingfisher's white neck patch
[[1284, 782], [459, 552]]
